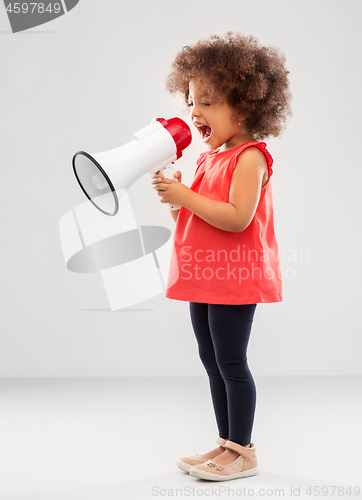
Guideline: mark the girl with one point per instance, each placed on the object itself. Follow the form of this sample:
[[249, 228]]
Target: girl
[[225, 254]]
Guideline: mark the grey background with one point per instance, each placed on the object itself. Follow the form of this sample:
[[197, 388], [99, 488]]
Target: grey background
[[91, 78]]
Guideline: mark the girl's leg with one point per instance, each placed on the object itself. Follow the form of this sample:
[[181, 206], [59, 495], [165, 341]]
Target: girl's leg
[[230, 327], [200, 323]]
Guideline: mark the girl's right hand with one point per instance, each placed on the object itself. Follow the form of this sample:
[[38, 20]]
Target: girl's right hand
[[157, 175], [177, 175]]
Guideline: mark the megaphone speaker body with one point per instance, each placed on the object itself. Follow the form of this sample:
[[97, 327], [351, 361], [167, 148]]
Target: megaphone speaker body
[[102, 176]]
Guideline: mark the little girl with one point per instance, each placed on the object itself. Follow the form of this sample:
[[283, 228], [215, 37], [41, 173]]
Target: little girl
[[225, 254]]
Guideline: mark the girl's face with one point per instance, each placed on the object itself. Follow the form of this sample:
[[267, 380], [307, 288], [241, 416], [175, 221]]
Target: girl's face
[[216, 122]]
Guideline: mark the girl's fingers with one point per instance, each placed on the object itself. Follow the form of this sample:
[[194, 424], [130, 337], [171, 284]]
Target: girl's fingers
[[156, 181]]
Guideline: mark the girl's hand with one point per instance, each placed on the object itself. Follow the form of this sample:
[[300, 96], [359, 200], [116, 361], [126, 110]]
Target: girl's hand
[[157, 175], [177, 174], [172, 191]]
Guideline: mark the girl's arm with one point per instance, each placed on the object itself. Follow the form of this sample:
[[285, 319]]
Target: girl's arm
[[244, 195]]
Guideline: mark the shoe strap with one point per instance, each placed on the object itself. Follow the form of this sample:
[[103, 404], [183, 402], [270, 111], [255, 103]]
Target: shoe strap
[[221, 441], [245, 452]]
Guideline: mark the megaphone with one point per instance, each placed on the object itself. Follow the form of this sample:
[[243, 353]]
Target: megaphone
[[102, 175]]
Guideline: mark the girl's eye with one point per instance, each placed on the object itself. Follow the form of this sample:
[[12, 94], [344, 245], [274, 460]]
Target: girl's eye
[[203, 104]]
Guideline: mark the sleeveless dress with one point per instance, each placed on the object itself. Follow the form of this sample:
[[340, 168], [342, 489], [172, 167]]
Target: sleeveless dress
[[214, 266]]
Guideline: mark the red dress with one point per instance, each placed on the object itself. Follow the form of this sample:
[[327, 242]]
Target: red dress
[[214, 266]]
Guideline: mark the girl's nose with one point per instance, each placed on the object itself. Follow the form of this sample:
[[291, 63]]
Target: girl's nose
[[195, 111]]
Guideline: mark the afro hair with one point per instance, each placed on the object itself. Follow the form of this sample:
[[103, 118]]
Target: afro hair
[[251, 78]]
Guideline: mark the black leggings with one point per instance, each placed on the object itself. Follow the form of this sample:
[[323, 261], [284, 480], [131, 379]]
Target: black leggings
[[222, 333]]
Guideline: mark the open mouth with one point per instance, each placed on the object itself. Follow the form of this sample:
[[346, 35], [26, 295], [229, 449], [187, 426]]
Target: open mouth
[[205, 131]]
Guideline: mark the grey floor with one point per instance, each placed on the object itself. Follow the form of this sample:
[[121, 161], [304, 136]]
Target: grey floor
[[115, 438]]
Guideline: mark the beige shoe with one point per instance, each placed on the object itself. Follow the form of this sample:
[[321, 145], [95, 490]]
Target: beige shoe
[[244, 466], [187, 462]]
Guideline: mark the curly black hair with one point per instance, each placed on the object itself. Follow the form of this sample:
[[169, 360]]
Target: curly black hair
[[251, 78]]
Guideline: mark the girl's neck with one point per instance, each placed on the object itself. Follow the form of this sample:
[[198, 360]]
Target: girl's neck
[[236, 141]]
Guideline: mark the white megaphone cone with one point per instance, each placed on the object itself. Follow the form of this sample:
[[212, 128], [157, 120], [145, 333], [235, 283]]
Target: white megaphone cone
[[103, 176]]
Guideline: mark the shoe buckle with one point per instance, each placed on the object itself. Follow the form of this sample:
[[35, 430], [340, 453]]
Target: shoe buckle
[[216, 466]]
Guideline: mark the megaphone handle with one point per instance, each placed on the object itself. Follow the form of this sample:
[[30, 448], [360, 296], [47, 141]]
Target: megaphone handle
[[170, 176]]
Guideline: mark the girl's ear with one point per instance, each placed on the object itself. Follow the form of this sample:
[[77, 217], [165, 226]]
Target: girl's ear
[[241, 118]]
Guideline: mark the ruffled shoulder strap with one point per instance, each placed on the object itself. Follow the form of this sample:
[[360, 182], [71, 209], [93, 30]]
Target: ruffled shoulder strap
[[262, 147], [201, 158]]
